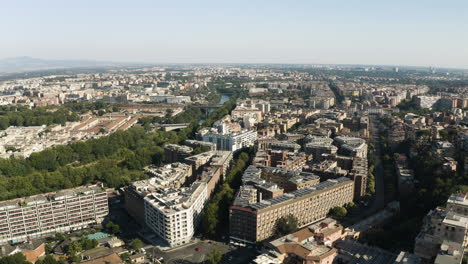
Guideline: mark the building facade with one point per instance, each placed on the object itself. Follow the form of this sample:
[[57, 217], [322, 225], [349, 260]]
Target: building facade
[[232, 142], [43, 215], [256, 222], [174, 215]]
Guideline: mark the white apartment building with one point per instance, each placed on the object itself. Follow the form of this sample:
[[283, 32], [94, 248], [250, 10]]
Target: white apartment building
[[42, 215], [232, 142], [174, 214], [170, 210]]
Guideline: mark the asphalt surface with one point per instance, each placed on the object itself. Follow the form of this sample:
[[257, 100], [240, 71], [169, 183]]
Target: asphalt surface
[[378, 202], [190, 255]]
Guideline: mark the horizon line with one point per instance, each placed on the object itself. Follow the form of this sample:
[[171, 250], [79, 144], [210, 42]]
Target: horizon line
[[234, 63]]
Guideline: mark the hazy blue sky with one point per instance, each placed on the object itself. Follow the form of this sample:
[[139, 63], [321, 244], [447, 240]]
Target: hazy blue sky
[[407, 32]]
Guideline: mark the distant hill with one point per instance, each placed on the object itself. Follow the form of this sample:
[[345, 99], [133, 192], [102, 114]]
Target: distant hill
[[22, 64]]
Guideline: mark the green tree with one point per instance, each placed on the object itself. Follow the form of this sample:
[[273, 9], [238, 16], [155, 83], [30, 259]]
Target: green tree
[[210, 219], [136, 244], [112, 228], [4, 122], [286, 225], [126, 257], [75, 258], [17, 258], [338, 212], [48, 248], [215, 256], [49, 259], [87, 244], [350, 205], [59, 236], [74, 248]]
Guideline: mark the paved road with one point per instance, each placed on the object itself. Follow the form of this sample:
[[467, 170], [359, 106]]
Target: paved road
[[379, 199], [190, 255]]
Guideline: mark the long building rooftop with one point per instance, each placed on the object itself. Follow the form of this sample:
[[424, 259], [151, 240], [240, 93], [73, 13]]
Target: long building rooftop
[[53, 196], [298, 193]]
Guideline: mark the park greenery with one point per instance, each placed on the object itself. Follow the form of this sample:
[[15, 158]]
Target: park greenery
[[191, 115], [20, 115], [16, 115], [115, 160]]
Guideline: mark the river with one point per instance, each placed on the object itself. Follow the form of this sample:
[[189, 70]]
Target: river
[[224, 98]]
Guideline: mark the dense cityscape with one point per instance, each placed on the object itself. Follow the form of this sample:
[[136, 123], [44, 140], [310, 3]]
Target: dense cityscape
[[234, 132], [234, 164]]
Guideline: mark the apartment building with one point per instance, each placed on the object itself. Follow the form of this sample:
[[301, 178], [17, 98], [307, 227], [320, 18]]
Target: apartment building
[[200, 144], [257, 221], [241, 112], [351, 146], [43, 215], [221, 159], [175, 153], [318, 148], [232, 141], [263, 106], [458, 203], [170, 207], [284, 146], [174, 214], [443, 225]]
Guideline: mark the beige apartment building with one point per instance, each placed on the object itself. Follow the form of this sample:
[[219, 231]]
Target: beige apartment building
[[256, 222], [38, 216]]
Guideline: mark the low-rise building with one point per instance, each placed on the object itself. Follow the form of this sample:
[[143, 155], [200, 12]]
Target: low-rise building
[[312, 244], [450, 253]]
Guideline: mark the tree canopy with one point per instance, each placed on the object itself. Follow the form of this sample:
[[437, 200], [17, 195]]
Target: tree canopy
[[136, 244], [18, 115], [338, 212], [215, 256], [116, 160], [286, 225], [17, 258], [216, 213]]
